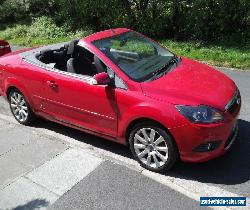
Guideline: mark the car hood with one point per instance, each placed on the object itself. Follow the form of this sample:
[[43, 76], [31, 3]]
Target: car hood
[[192, 83]]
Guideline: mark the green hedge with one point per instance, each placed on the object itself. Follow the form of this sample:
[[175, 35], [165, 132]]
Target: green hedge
[[206, 20]]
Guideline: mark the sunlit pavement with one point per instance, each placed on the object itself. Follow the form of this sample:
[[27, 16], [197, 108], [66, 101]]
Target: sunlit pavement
[[39, 168]]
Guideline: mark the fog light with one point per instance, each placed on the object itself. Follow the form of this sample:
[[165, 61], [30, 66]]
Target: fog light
[[207, 147]]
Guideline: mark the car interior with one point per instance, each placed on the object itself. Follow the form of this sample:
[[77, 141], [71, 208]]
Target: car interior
[[72, 58]]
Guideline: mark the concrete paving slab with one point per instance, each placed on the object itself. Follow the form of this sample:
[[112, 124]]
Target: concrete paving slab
[[63, 172], [4, 108], [37, 152], [22, 149], [24, 194], [15, 137], [4, 125], [10, 170]]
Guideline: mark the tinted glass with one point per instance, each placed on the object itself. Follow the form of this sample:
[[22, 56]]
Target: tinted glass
[[137, 56]]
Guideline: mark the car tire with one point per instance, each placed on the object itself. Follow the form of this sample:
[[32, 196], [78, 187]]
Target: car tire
[[153, 147], [20, 108]]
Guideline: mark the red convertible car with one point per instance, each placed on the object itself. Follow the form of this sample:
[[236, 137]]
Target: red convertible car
[[123, 86], [4, 47]]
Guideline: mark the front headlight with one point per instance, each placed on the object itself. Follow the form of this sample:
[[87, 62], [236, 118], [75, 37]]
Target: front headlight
[[201, 114]]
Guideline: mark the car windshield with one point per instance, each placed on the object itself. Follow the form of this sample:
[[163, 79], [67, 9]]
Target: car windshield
[[138, 57]]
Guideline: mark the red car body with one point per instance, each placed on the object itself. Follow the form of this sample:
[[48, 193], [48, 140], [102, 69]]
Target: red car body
[[110, 113], [4, 47]]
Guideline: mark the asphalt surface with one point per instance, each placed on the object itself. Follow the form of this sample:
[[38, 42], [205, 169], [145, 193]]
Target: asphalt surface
[[111, 186], [14, 48]]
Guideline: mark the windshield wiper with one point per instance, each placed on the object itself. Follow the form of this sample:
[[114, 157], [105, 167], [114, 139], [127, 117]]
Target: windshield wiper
[[164, 68]]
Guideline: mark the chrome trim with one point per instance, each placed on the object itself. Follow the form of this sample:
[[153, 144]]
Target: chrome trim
[[231, 102], [233, 138], [86, 78], [90, 80]]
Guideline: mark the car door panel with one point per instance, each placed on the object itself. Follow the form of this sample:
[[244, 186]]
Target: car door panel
[[31, 78], [76, 101]]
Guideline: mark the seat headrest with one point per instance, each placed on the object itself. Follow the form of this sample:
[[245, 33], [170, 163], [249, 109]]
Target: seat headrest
[[100, 66], [71, 46], [70, 66]]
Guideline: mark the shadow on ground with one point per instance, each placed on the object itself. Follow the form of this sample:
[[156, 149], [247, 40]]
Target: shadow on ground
[[34, 204], [230, 169]]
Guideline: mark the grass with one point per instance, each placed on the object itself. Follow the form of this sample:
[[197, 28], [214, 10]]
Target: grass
[[214, 54], [34, 42]]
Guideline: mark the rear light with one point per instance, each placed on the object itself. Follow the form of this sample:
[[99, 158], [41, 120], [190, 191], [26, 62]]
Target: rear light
[[207, 147], [5, 46]]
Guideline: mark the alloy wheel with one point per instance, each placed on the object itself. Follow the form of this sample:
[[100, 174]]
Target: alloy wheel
[[150, 147], [19, 106]]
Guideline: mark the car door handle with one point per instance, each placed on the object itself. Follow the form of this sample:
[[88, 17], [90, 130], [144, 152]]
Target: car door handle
[[52, 84]]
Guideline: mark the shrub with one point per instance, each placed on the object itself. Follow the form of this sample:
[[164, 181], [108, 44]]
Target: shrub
[[15, 32], [45, 27]]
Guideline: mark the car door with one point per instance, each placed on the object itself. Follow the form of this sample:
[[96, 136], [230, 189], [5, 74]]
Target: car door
[[73, 99]]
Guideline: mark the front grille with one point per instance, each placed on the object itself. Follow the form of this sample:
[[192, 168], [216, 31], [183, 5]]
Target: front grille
[[234, 104]]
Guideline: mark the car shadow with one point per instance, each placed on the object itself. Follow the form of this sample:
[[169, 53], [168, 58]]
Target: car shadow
[[229, 169], [92, 140], [34, 204]]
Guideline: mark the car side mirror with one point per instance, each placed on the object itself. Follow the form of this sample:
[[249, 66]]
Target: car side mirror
[[102, 78]]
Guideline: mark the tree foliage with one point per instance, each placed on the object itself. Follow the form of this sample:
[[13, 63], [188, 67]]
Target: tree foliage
[[178, 19]]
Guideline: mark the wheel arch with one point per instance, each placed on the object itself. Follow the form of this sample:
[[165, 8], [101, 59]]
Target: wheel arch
[[133, 123], [9, 89], [13, 83]]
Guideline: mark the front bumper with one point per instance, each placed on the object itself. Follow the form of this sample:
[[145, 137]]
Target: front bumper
[[190, 136]]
